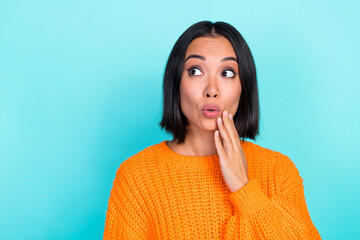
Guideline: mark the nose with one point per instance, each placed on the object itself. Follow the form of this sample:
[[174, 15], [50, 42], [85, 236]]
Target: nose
[[209, 95], [211, 91]]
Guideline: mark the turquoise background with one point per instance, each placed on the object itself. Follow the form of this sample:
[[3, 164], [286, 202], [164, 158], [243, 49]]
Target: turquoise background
[[81, 91]]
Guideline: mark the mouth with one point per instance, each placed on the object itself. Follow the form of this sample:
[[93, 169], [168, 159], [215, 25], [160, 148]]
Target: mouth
[[210, 113], [211, 108]]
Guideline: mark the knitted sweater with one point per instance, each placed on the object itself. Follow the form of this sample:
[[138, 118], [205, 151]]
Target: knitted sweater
[[160, 194]]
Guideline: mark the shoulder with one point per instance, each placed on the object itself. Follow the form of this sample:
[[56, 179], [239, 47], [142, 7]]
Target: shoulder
[[260, 151], [133, 171], [269, 157], [140, 161], [271, 167]]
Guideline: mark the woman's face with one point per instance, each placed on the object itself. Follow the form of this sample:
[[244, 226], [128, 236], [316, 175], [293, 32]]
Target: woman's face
[[209, 77]]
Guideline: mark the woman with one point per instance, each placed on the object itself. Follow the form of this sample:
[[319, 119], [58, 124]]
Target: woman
[[207, 183]]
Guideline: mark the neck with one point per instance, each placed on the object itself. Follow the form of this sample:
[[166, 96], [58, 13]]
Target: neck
[[196, 144]]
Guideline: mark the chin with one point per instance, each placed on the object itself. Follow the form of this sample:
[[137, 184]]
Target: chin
[[210, 125]]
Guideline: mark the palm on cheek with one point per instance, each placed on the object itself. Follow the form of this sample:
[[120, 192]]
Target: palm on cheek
[[231, 155]]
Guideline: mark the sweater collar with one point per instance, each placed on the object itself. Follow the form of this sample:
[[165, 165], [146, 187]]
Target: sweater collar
[[193, 163]]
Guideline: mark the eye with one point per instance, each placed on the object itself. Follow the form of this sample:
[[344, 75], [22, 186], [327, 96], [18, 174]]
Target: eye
[[229, 73], [194, 71]]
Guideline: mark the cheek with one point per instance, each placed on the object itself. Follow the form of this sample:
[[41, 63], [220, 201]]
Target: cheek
[[233, 98], [188, 94]]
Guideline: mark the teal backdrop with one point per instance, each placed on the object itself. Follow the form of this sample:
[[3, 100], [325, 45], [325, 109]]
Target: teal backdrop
[[81, 91]]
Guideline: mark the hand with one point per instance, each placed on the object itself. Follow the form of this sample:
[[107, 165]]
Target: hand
[[231, 155]]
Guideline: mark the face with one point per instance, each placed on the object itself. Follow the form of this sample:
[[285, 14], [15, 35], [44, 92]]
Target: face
[[210, 76]]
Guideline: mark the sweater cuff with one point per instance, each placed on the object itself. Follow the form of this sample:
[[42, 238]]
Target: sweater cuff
[[249, 199]]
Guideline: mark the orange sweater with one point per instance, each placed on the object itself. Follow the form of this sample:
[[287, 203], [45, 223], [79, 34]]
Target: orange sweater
[[160, 194]]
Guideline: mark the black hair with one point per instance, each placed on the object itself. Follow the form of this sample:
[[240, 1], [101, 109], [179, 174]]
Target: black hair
[[246, 118]]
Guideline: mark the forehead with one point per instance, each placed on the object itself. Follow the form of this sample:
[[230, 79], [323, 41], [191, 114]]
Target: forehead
[[214, 46]]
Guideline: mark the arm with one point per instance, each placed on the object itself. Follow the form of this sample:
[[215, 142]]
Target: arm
[[125, 217], [284, 216]]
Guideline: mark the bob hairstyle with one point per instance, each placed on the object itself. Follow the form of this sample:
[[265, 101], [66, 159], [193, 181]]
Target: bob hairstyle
[[246, 118]]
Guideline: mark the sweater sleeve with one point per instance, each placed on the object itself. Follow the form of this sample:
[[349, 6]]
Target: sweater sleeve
[[126, 215], [283, 216]]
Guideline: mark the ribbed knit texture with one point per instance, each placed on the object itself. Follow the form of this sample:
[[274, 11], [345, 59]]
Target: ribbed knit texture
[[160, 194]]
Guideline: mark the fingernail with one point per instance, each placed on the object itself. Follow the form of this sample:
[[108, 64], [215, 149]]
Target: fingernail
[[219, 120], [230, 116], [225, 113]]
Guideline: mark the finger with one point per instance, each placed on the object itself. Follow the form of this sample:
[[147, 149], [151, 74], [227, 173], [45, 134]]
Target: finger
[[219, 147], [237, 138], [225, 135], [229, 125]]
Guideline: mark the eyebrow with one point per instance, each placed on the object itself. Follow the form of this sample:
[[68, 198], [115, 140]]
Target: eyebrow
[[204, 59]]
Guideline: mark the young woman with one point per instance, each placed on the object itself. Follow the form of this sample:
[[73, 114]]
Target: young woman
[[207, 183]]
